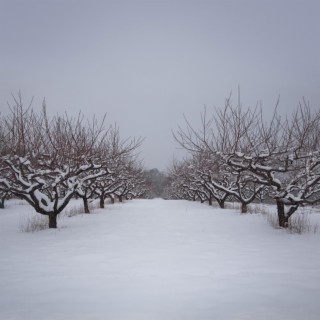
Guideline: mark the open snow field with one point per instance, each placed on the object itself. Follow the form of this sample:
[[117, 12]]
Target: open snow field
[[157, 259]]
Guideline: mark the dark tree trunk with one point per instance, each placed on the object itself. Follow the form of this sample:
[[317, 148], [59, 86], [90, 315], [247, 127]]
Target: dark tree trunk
[[52, 220], [244, 207], [221, 204], [102, 202], [85, 205], [120, 198], [283, 219], [210, 201], [3, 199]]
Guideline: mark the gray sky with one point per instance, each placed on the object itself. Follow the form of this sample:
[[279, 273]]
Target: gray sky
[[146, 63]]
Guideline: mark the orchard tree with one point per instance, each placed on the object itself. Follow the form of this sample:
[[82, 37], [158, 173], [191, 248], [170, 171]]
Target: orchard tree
[[283, 154], [43, 160], [117, 154], [280, 156], [211, 174]]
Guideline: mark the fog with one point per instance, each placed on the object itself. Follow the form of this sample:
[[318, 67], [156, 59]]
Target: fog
[[147, 63]]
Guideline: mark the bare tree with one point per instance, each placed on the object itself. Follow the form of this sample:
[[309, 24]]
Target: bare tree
[[281, 155], [210, 170], [176, 188], [286, 158], [117, 153], [43, 160]]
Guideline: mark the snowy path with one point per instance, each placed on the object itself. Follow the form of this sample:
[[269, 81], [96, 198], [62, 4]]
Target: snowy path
[[156, 259]]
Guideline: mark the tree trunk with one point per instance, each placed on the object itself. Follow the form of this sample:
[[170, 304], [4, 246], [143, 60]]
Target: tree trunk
[[112, 200], [2, 203], [221, 204], [283, 219], [120, 198], [244, 207], [52, 220], [102, 202], [85, 205], [210, 201]]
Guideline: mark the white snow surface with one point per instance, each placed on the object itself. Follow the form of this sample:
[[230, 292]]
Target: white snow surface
[[157, 259]]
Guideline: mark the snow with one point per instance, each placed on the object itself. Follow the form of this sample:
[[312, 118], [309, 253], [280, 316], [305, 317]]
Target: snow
[[24, 161], [157, 259]]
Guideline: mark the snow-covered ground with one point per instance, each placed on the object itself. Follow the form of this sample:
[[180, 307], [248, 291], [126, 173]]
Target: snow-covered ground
[[157, 259]]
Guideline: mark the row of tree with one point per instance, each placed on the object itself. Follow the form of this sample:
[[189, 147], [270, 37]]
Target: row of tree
[[236, 155], [155, 183], [48, 161]]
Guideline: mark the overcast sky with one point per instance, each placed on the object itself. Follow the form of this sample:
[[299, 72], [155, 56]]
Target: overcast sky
[[146, 63]]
